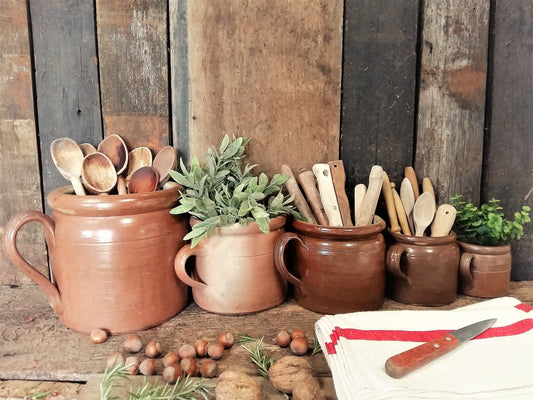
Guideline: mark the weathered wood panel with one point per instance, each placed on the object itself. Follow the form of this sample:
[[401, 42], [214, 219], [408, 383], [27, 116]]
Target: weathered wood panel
[[20, 184], [268, 70], [66, 77], [451, 112], [132, 50], [508, 172], [379, 78]]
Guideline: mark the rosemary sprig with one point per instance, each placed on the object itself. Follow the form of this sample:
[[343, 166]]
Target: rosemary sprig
[[316, 347], [247, 339], [259, 358], [111, 375]]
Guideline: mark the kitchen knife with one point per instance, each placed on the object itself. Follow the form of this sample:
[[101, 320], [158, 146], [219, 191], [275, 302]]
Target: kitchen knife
[[410, 360], [338, 175], [327, 194]]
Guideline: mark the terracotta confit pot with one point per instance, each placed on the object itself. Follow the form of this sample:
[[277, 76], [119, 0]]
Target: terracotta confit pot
[[423, 270], [485, 271], [234, 270], [111, 258], [334, 269]]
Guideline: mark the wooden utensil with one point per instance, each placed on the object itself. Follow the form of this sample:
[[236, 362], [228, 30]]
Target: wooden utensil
[[410, 174], [308, 183], [370, 201], [68, 159], [98, 173], [402, 217], [164, 161], [408, 200], [115, 149], [338, 175], [145, 179], [444, 219], [423, 213], [427, 186], [327, 194], [389, 203], [87, 148], [137, 158], [358, 197], [299, 199]]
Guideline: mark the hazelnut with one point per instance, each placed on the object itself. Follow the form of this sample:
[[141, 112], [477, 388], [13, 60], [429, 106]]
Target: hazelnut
[[226, 339], [171, 374], [187, 351], [209, 369], [171, 358], [215, 350], [153, 349], [188, 366], [115, 358], [147, 367], [200, 346], [299, 346], [283, 339], [98, 336], [297, 333], [133, 343], [132, 364]]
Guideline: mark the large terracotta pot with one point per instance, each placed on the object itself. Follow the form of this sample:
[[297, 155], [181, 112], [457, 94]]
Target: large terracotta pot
[[111, 258], [485, 271], [423, 270], [334, 269], [234, 270]]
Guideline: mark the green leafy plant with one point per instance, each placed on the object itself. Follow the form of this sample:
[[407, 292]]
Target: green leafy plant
[[487, 225], [222, 192]]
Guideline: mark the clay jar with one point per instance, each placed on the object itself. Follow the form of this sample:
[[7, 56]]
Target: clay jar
[[233, 271], [334, 269], [111, 258], [485, 271], [423, 270]]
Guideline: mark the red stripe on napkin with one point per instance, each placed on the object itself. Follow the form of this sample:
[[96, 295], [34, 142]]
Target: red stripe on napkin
[[524, 307], [419, 336]]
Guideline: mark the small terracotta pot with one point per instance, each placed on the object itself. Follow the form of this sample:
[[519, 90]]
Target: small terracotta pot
[[334, 269], [111, 257], [234, 270], [485, 271], [423, 270]]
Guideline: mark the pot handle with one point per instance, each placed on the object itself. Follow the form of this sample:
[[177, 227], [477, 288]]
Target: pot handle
[[279, 260], [12, 253], [465, 265], [394, 257], [180, 268]]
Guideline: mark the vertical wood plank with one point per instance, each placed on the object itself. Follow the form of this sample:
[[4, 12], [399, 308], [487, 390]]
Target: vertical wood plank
[[66, 77], [508, 172], [267, 70], [379, 79], [449, 145], [20, 185], [132, 48]]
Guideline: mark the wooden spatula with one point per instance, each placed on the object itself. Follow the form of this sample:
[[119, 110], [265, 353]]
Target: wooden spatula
[[423, 213], [308, 183], [358, 197], [408, 200], [299, 199], [327, 194], [375, 182], [389, 203], [444, 219], [338, 176]]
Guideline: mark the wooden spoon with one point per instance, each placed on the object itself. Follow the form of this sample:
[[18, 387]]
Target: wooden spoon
[[137, 158], [408, 200], [114, 147], [389, 202], [145, 179], [68, 159], [98, 174], [444, 219], [87, 148], [410, 174], [423, 212], [164, 161]]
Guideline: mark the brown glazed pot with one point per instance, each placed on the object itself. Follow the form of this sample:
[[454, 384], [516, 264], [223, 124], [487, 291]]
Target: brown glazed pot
[[423, 270], [334, 269], [234, 270], [485, 271], [111, 259]]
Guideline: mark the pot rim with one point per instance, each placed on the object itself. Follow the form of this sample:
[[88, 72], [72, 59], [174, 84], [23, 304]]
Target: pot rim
[[423, 240], [340, 232], [479, 249], [275, 223]]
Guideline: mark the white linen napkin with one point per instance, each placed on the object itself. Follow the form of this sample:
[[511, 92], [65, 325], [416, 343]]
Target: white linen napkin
[[498, 364]]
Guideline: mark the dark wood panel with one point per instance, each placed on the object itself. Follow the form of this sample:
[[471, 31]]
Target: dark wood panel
[[20, 185], [66, 77], [379, 78], [508, 172], [451, 112], [132, 49]]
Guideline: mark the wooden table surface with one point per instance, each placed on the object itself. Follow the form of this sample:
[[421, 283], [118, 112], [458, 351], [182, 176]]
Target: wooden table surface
[[39, 354]]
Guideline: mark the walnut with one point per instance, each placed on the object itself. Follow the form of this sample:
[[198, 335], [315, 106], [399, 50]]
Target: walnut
[[307, 389], [235, 385], [287, 371]]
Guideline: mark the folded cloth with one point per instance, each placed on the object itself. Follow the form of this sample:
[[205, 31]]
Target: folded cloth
[[497, 364]]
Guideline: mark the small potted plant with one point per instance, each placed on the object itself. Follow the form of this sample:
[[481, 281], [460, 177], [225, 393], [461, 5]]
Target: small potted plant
[[236, 219], [484, 235]]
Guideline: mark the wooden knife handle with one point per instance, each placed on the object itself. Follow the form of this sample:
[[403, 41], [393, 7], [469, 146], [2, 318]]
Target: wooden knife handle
[[410, 360], [299, 199], [400, 211], [327, 194], [358, 197], [410, 174], [389, 202], [308, 183], [338, 175], [375, 182]]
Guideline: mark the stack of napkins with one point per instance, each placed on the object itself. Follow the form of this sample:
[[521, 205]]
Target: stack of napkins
[[497, 364]]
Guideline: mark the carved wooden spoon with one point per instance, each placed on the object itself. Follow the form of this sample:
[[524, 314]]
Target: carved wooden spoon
[[98, 174], [68, 159], [423, 212], [114, 147]]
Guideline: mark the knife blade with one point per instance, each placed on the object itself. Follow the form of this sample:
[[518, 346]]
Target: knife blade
[[410, 360]]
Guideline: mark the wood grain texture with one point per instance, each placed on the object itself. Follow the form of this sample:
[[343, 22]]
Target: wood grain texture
[[132, 50], [20, 185], [66, 78], [508, 173], [449, 145], [270, 71], [379, 77]]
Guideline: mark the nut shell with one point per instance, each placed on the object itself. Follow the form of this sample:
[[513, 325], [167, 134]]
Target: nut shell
[[299, 345], [287, 371], [215, 350], [98, 336], [132, 365], [209, 369], [187, 351], [133, 343], [307, 389], [227, 339], [171, 358], [153, 349], [171, 374], [201, 347], [234, 385], [147, 367], [283, 339]]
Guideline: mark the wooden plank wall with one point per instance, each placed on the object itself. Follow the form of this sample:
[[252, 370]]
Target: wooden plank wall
[[441, 85]]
